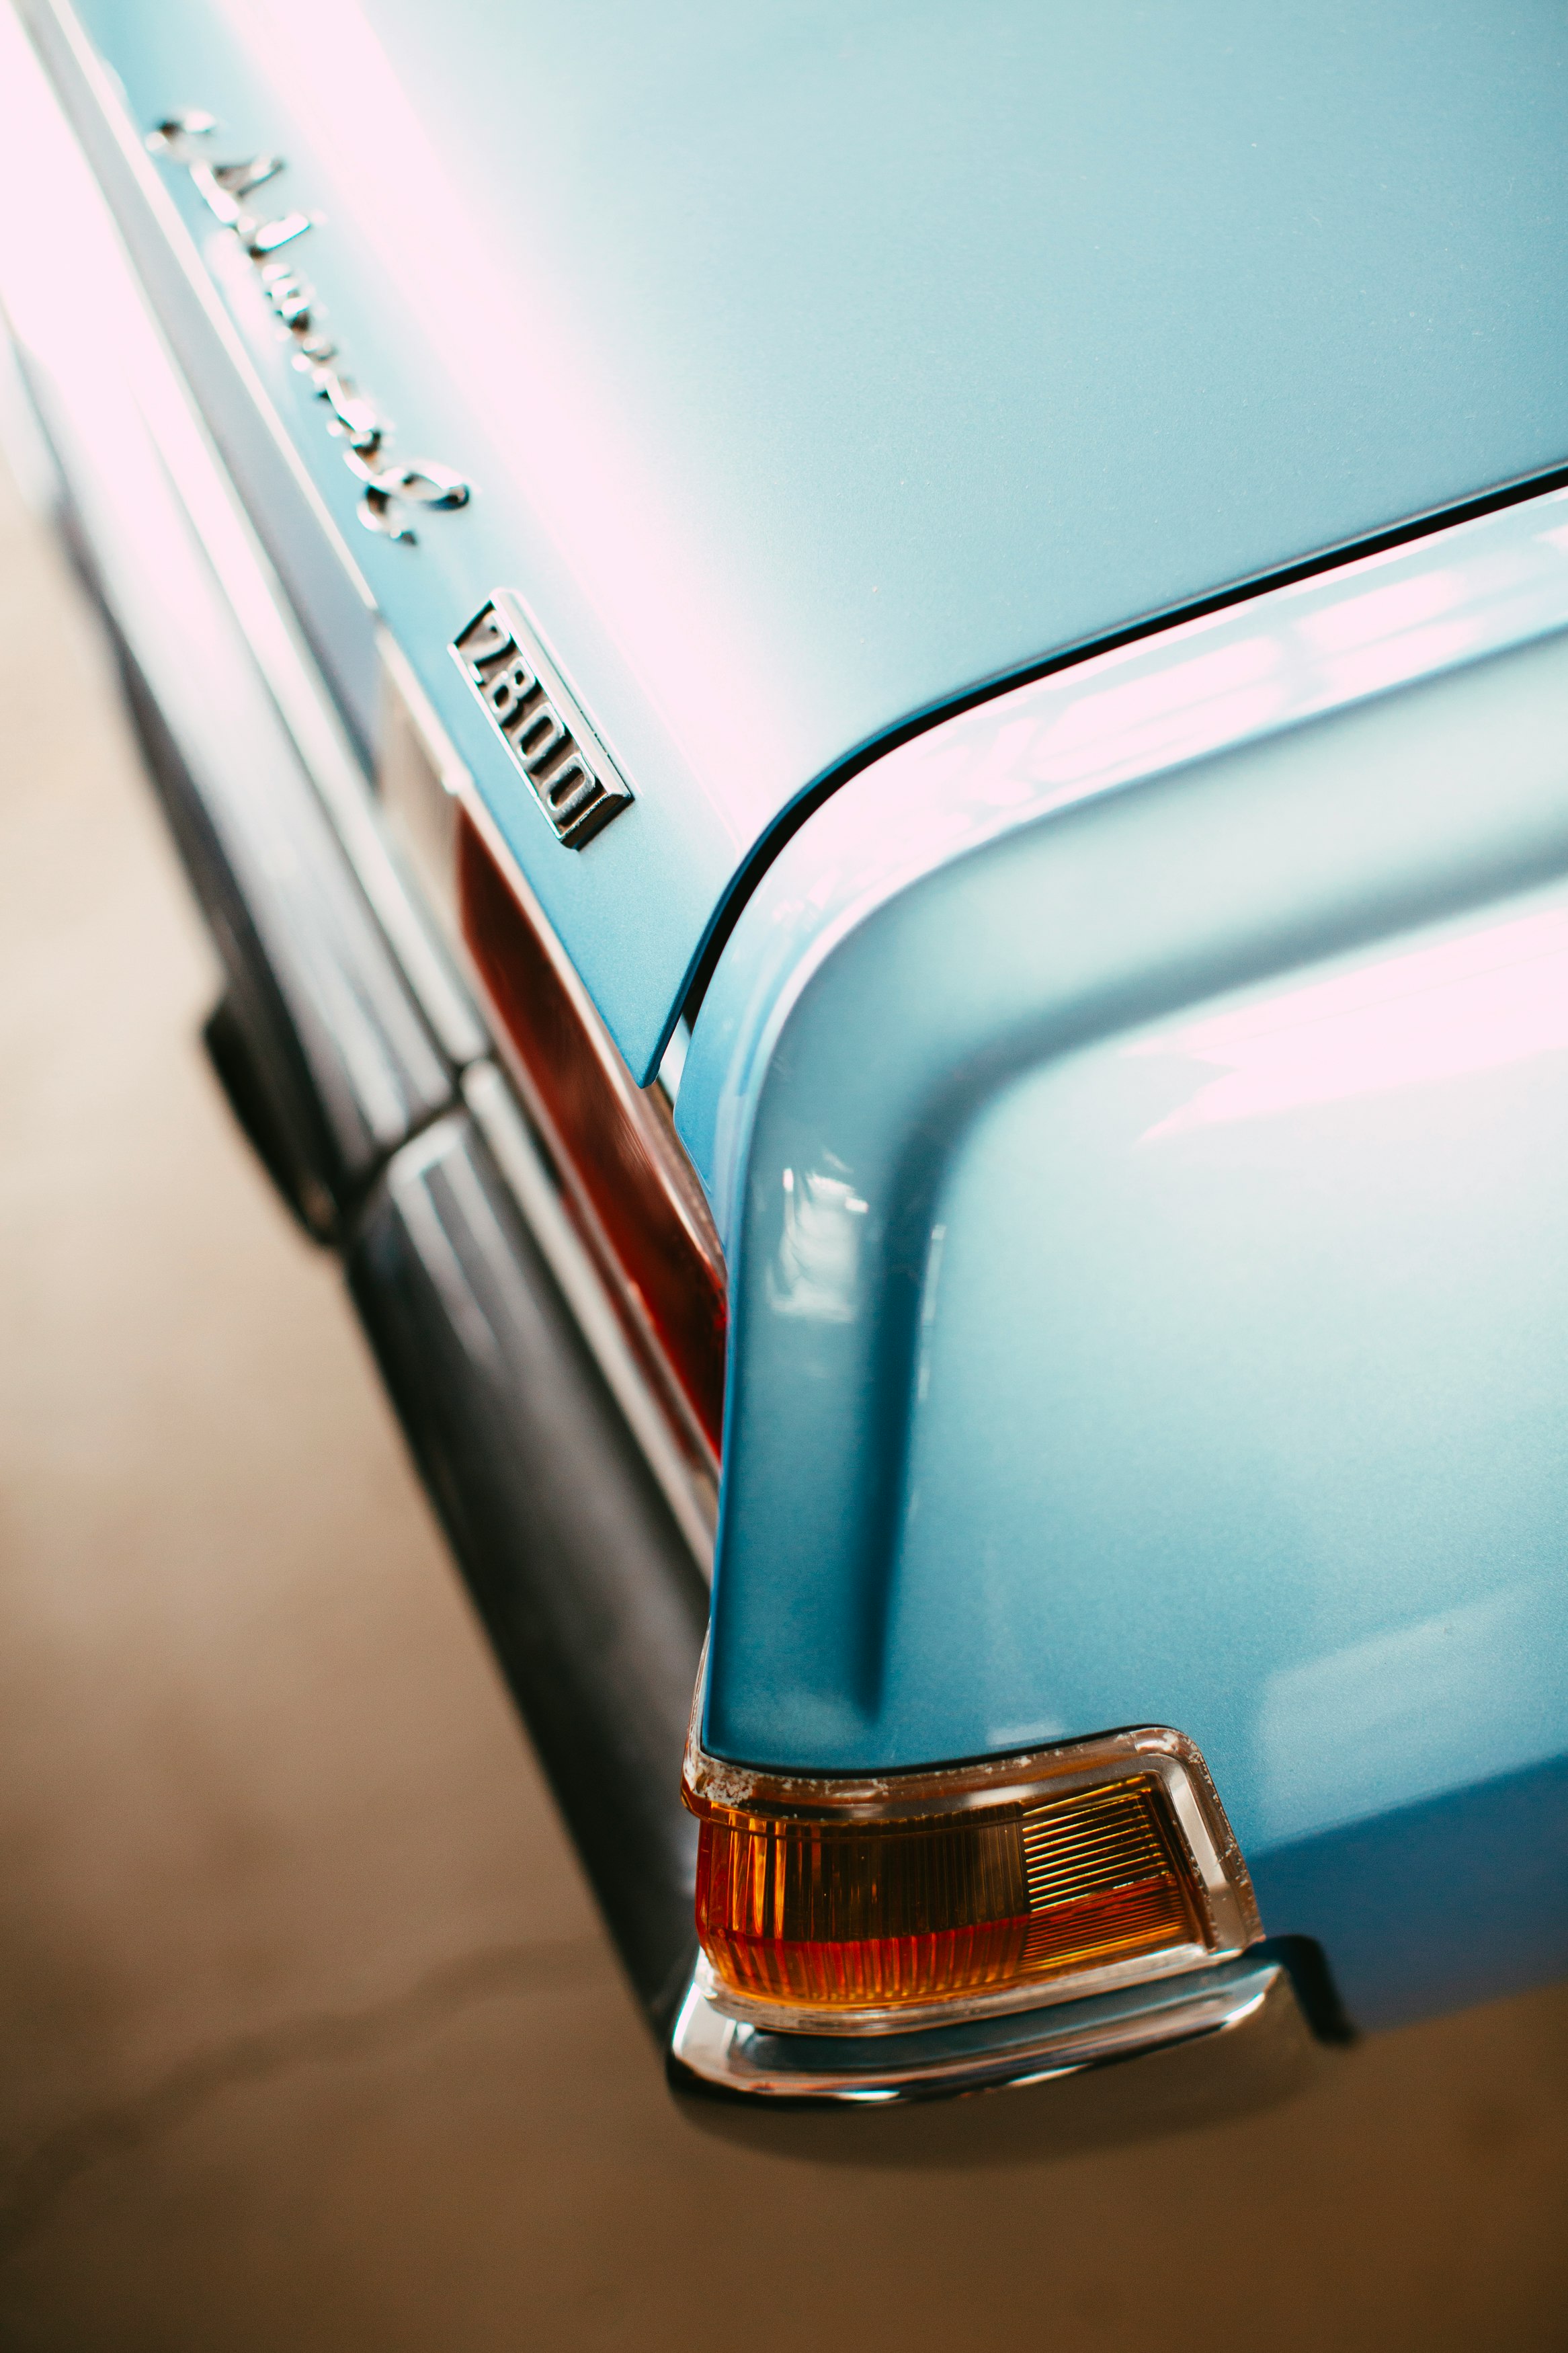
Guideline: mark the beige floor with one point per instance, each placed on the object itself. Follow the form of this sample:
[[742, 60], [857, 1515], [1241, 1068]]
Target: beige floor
[[308, 2036]]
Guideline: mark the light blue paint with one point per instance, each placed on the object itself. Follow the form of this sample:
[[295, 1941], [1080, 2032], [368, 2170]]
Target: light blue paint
[[1461, 1899], [1254, 1427], [815, 366], [1144, 1189], [1463, 1696]]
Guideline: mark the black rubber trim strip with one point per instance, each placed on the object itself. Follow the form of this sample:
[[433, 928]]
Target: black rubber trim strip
[[585, 1587], [253, 1097]]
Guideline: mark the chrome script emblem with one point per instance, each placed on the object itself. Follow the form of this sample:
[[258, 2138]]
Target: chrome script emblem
[[392, 485], [577, 784]]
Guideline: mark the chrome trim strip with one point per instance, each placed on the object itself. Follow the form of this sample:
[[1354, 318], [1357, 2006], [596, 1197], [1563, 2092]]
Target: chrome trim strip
[[1025, 2047], [1258, 667]]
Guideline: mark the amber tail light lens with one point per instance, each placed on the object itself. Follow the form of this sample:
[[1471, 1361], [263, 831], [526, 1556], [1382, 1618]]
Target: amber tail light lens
[[641, 1205], [926, 1894]]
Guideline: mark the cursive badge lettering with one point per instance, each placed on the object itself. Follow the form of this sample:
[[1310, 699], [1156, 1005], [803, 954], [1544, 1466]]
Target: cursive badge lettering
[[392, 484]]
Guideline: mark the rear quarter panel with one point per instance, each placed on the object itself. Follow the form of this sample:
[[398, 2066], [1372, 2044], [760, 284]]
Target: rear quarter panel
[[1149, 1267]]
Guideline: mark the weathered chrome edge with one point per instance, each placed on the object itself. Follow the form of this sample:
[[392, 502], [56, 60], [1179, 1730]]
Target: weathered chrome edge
[[725, 2054]]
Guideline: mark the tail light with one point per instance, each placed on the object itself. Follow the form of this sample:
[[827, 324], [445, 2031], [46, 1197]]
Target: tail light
[[614, 1140], [622, 1172], [836, 1904]]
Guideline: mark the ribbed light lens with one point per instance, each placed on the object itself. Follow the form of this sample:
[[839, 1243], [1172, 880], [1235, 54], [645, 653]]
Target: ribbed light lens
[[645, 1212], [856, 1916], [624, 1178]]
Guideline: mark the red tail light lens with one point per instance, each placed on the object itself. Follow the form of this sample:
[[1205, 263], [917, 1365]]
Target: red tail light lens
[[641, 1206]]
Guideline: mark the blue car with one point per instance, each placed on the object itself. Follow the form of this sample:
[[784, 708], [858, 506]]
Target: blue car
[[871, 706]]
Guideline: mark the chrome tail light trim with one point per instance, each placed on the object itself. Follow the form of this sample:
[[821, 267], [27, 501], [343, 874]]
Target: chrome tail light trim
[[711, 2051]]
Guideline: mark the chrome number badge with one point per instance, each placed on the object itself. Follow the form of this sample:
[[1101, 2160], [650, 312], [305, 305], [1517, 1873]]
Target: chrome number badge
[[392, 485], [577, 784]]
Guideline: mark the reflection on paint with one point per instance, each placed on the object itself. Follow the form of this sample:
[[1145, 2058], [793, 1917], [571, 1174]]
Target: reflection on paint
[[1412, 653], [1200, 688], [816, 1269], [1381, 613], [1412, 1712], [1167, 713], [1494, 998], [929, 1290]]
